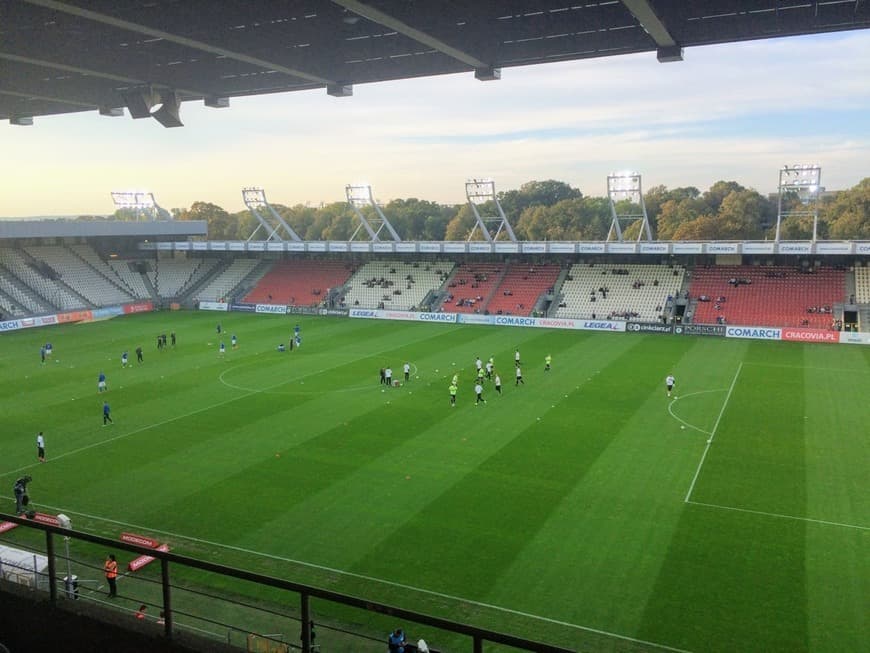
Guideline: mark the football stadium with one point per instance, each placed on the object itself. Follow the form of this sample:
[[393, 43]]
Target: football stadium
[[641, 440]]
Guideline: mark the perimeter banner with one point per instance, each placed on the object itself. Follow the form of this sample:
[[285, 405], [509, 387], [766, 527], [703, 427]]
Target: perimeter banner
[[810, 335], [700, 330], [648, 327]]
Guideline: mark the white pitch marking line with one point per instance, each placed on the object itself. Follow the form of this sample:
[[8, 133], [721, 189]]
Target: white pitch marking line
[[775, 514], [713, 432], [691, 394], [839, 370], [350, 574]]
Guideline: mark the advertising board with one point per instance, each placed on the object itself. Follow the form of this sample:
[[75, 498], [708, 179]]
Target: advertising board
[[755, 333], [648, 327], [810, 335]]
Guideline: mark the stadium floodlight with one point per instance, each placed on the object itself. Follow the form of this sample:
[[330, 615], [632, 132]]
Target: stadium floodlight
[[255, 199], [360, 196], [480, 193], [800, 182], [625, 193], [141, 202]]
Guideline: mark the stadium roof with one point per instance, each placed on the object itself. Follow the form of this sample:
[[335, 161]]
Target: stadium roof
[[63, 56]]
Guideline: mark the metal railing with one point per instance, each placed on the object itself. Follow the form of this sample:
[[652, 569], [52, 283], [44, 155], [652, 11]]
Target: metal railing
[[170, 563]]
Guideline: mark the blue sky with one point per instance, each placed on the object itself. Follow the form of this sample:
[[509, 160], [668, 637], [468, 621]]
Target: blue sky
[[737, 111]]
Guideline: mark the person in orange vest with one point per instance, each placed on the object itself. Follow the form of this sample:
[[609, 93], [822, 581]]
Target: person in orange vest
[[111, 567]]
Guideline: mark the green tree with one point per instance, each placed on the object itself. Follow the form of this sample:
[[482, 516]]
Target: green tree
[[718, 192], [461, 224], [220, 225], [535, 193], [849, 213]]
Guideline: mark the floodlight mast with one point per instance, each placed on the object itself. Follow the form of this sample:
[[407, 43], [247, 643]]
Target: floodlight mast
[[360, 195], [626, 186], [142, 202], [480, 192], [255, 199], [804, 180]]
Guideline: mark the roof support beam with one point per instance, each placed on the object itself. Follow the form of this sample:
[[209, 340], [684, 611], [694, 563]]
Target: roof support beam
[[105, 19], [385, 19], [42, 63], [668, 49]]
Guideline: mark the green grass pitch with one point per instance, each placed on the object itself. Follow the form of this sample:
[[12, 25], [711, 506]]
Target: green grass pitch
[[585, 507]]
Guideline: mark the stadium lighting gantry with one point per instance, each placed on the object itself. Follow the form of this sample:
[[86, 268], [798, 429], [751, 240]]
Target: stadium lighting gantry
[[142, 202], [804, 181], [273, 224], [626, 185], [481, 192], [359, 196]]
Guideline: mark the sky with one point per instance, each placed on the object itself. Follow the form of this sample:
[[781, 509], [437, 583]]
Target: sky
[[737, 112]]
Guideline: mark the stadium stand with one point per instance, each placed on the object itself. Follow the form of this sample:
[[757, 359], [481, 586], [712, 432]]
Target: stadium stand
[[222, 285], [79, 275], [299, 282], [766, 296], [394, 284], [33, 274], [472, 286], [126, 272], [521, 287], [8, 308], [89, 256], [862, 285], [170, 276], [619, 291], [15, 291]]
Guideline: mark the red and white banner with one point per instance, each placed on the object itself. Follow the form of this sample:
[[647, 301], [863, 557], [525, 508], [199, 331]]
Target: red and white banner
[[810, 335], [141, 540], [139, 307], [7, 526], [41, 517], [141, 561]]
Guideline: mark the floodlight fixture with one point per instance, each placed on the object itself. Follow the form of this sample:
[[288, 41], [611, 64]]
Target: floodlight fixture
[[141, 103], [360, 196], [622, 186], [270, 220], [142, 202], [481, 192], [802, 180]]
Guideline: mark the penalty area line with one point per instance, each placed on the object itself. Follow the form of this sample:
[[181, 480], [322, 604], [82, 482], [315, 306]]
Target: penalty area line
[[382, 581], [780, 516], [713, 433]]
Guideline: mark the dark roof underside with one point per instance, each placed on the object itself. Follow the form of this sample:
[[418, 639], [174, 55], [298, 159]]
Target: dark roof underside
[[79, 55]]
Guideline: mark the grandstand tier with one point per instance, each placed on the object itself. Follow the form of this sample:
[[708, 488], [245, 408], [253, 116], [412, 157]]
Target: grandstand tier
[[767, 296], [619, 291], [399, 285], [299, 282], [472, 286]]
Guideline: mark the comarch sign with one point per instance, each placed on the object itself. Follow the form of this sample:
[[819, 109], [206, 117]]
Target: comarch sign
[[271, 308], [756, 333], [437, 317], [514, 320]]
